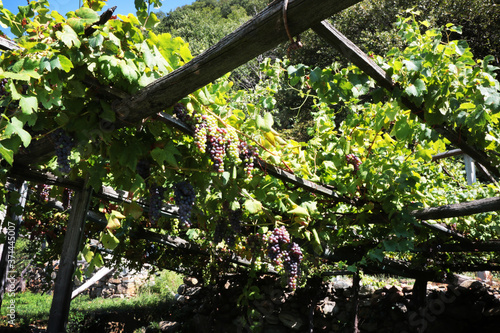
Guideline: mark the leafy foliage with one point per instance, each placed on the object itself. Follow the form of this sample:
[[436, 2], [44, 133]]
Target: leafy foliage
[[364, 144]]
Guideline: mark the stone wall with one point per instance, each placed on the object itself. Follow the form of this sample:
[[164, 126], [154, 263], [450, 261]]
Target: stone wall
[[329, 307]]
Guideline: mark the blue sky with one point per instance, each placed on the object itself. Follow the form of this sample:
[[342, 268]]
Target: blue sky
[[123, 6]]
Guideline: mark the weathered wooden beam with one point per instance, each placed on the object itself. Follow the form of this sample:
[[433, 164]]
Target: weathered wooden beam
[[263, 32], [8, 45], [446, 154], [263, 165], [353, 53], [96, 278], [105, 192], [364, 62], [460, 209], [59, 310]]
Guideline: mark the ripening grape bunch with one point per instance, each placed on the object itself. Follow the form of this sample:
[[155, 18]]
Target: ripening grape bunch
[[44, 192], [285, 254], [235, 220], [155, 202], [184, 196], [354, 160], [218, 142], [247, 156], [3, 89], [63, 143], [181, 112]]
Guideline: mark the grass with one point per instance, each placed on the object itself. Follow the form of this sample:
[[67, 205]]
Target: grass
[[151, 304]]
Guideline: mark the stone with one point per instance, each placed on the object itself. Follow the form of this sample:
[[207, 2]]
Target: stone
[[182, 289], [191, 281], [329, 307], [266, 307], [169, 326], [290, 320], [341, 284], [493, 312], [277, 296], [366, 289]]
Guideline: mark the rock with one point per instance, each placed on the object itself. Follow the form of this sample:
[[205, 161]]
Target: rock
[[341, 284], [291, 320], [329, 307], [266, 307], [277, 296], [169, 326], [493, 312], [180, 298], [191, 281], [366, 290], [182, 289]]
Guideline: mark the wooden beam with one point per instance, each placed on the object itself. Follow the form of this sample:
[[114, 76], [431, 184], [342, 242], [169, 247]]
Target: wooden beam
[[460, 209], [59, 311], [8, 45], [263, 32], [353, 53], [264, 166]]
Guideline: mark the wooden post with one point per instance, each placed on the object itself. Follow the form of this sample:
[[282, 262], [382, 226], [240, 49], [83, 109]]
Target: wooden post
[[12, 221], [470, 169], [59, 311]]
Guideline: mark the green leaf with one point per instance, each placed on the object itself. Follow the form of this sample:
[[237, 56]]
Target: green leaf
[[108, 240], [252, 206], [16, 127], [7, 154], [88, 255], [300, 211], [28, 104], [128, 72], [467, 106], [68, 36], [85, 17], [65, 63]]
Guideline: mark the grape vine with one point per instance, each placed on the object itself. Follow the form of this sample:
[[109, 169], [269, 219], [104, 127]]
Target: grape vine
[[184, 196]]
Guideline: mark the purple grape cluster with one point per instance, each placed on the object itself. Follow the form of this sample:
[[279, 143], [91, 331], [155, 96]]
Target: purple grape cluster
[[247, 155], [235, 220], [143, 169], [181, 113], [216, 146], [155, 202], [63, 143], [285, 254], [354, 160], [3, 89], [184, 196], [219, 142], [44, 192]]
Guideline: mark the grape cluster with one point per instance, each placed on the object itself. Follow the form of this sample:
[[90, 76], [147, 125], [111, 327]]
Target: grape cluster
[[155, 202], [235, 220], [216, 146], [181, 113], [184, 196], [63, 143], [219, 142], [44, 192], [3, 89], [285, 254], [354, 160], [247, 155], [143, 169]]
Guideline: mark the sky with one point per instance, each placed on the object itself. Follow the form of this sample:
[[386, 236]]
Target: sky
[[124, 7]]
